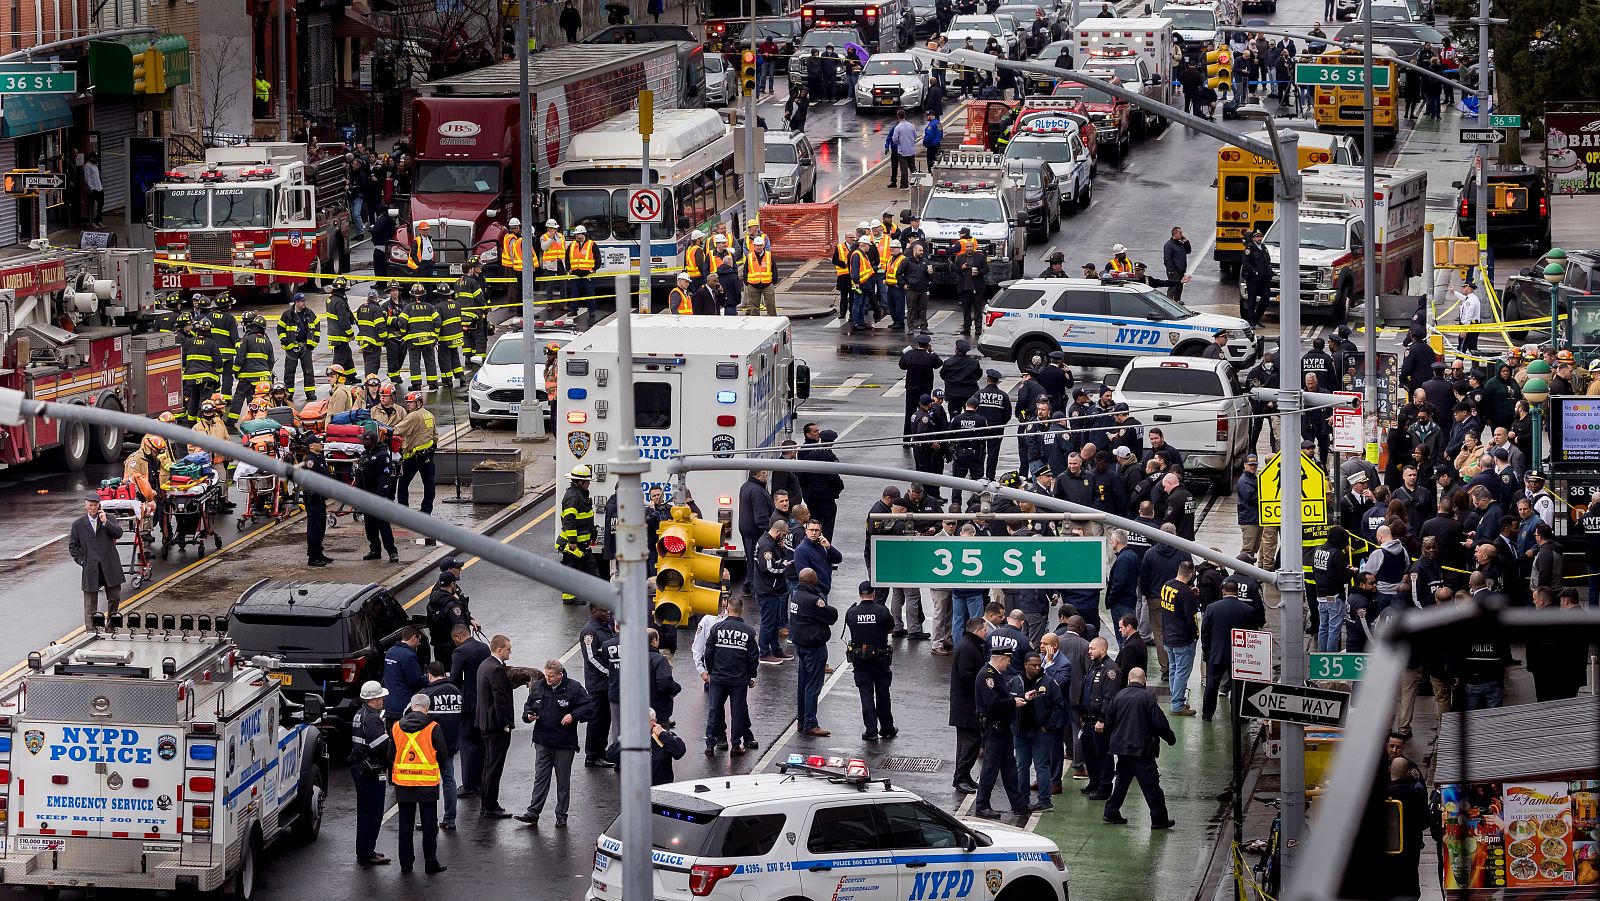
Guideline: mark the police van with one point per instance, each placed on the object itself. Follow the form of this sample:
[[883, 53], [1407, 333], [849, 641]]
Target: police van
[[1102, 322], [151, 756], [701, 385], [820, 829]]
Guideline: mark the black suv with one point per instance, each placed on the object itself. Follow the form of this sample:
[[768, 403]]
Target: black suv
[[333, 635], [1519, 207], [1527, 294]]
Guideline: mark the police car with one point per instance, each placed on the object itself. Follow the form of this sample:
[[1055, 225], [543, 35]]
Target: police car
[[1101, 322], [496, 388], [824, 828]]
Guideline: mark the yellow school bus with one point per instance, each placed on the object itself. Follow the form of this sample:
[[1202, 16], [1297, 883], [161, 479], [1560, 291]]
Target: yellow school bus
[[1343, 110], [1245, 187]]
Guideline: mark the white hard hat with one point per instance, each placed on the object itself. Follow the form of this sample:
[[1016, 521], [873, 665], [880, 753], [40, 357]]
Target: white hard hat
[[551, 223], [894, 242], [580, 230], [720, 238], [513, 222], [371, 691], [684, 277], [864, 240], [1118, 248], [697, 234], [865, 225], [762, 241]]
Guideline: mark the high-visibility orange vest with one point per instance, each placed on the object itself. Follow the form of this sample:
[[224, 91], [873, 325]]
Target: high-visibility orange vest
[[758, 269], [892, 269], [581, 256], [1122, 265], [557, 251], [865, 270], [511, 251], [416, 252], [882, 243], [966, 245], [416, 765], [841, 265], [678, 302], [693, 260]]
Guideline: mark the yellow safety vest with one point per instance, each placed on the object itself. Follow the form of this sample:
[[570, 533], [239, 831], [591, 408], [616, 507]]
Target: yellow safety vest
[[1123, 265], [557, 251], [416, 251], [693, 255], [758, 269], [749, 245], [841, 264], [892, 269], [865, 270], [581, 256], [966, 245], [263, 90], [511, 251], [678, 302], [882, 243], [416, 764]]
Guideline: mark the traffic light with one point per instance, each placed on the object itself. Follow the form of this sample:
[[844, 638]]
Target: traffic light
[[1219, 69], [681, 565], [747, 72], [13, 183], [149, 72]]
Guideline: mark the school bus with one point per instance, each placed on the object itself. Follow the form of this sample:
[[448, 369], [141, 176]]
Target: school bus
[[1343, 110], [1244, 188]]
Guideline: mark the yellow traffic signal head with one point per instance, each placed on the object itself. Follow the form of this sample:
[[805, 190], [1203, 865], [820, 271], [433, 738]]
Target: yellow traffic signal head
[[747, 72], [682, 567], [1219, 68], [149, 72]]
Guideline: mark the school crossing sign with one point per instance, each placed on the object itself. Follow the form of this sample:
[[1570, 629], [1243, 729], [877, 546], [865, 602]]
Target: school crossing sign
[[1313, 494]]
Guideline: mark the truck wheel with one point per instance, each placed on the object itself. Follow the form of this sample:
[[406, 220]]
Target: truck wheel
[[107, 444], [308, 820], [75, 444], [243, 885], [1341, 305], [1034, 353]]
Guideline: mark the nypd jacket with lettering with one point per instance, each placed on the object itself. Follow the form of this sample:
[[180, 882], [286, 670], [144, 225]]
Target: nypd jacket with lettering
[[732, 655], [447, 705], [550, 704], [596, 666]]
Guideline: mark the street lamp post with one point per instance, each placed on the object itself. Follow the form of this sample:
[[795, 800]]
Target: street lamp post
[[1536, 392], [1554, 272]]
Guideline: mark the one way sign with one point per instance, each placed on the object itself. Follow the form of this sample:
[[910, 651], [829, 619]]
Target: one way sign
[[1295, 704]]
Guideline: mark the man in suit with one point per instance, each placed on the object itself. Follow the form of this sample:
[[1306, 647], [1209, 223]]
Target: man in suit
[[93, 545], [496, 717], [464, 663]]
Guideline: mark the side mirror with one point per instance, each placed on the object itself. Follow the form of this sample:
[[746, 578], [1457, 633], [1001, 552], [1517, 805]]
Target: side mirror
[[1528, 271], [312, 709], [802, 379], [969, 842], [1455, 184]]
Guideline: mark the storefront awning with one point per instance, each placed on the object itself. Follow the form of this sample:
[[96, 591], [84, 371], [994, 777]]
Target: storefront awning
[[30, 114], [111, 62]]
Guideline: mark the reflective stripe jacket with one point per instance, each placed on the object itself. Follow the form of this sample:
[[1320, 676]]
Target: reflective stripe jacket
[[369, 742], [470, 297], [841, 258], [256, 358], [200, 358], [421, 321], [894, 269], [860, 269], [511, 252], [416, 761], [694, 260], [341, 324], [449, 323], [553, 250], [371, 324], [225, 332], [297, 330], [678, 301], [417, 432], [577, 522], [758, 268]]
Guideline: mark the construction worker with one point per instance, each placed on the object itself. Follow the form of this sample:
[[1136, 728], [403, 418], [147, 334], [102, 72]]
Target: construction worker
[[760, 295], [418, 435], [511, 254], [863, 281], [577, 527], [340, 323], [696, 261], [894, 270], [450, 338], [341, 393], [255, 360], [841, 273], [200, 360], [1119, 261], [394, 332], [581, 258], [298, 335], [751, 233], [553, 261], [680, 298], [551, 351], [224, 331], [371, 323], [472, 297], [420, 322], [966, 243], [421, 258]]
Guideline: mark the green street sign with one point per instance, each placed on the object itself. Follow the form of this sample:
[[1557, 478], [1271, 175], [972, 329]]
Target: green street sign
[[1337, 75], [1505, 121], [1337, 667], [909, 561], [38, 81]]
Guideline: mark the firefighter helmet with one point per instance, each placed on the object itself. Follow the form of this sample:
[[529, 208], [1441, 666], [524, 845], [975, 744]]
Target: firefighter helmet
[[1011, 479], [414, 397], [392, 286], [581, 473], [417, 290], [386, 391], [167, 417], [224, 300], [341, 284], [445, 291], [196, 298]]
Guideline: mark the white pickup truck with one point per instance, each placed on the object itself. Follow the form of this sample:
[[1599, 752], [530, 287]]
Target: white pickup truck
[[1199, 404]]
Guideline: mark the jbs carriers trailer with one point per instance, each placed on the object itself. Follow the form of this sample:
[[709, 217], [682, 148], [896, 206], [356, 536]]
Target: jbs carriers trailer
[[152, 758]]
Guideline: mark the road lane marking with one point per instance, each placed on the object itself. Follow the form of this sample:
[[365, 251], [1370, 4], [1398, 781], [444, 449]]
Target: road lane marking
[[859, 420], [521, 530], [938, 318], [898, 389], [38, 547], [850, 384]]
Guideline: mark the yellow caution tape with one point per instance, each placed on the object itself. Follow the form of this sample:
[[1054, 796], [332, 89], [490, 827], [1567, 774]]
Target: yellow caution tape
[[325, 276]]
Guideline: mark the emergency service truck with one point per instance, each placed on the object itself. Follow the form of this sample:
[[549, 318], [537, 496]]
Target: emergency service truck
[[702, 385], [273, 210], [972, 190], [1138, 51], [73, 330], [153, 757], [1333, 239]]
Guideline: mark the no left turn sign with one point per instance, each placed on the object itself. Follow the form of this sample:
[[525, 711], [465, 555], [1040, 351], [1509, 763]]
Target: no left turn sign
[[644, 205]]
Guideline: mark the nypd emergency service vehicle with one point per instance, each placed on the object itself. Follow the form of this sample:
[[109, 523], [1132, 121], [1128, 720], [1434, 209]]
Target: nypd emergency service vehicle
[[153, 758], [1101, 322], [823, 829], [702, 385]]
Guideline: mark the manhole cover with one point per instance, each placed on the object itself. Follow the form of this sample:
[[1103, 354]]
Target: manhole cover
[[909, 764]]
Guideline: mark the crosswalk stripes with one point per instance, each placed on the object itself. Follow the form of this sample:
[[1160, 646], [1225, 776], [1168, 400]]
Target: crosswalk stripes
[[850, 384], [898, 389], [938, 318]]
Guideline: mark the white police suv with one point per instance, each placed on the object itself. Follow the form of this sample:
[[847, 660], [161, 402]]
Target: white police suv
[[821, 829], [1101, 322]]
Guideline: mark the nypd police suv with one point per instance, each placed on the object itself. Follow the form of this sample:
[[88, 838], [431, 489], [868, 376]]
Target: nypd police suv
[[823, 828]]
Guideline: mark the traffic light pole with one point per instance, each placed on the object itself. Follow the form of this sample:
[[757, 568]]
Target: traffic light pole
[[1369, 267], [752, 194]]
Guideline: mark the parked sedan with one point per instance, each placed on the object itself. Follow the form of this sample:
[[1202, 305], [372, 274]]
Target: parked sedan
[[892, 81], [722, 82]]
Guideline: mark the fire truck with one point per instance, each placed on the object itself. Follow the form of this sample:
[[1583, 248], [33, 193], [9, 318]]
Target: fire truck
[[154, 757], [252, 211], [74, 330]]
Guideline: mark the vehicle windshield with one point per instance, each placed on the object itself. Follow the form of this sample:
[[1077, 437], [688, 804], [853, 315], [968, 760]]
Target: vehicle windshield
[[506, 351], [1315, 235], [962, 23], [1190, 18], [1383, 12], [1083, 92], [1126, 72], [781, 152], [241, 207], [818, 38], [1159, 300], [182, 208], [439, 177], [715, 62], [980, 208], [1052, 52], [889, 67], [779, 29], [1033, 179], [588, 208], [1051, 150]]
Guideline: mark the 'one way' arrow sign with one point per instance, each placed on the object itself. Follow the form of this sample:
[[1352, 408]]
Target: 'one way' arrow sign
[[1482, 136], [1295, 704]]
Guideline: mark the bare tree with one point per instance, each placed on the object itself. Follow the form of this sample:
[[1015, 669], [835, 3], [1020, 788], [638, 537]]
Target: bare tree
[[444, 37], [219, 91]]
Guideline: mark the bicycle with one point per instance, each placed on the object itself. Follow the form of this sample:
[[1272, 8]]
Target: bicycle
[[1266, 869]]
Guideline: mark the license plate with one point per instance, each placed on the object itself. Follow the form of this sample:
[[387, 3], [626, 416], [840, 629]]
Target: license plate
[[282, 678], [886, 101], [456, 268], [516, 408], [601, 862]]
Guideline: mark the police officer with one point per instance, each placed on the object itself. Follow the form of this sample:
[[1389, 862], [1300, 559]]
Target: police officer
[[472, 298], [255, 358], [421, 329], [369, 769], [577, 527], [450, 338], [200, 361], [316, 507], [371, 324], [1101, 684], [298, 335], [869, 624], [596, 680], [920, 364], [960, 373], [447, 608], [997, 707], [927, 452], [968, 445], [995, 407], [1008, 636], [1055, 269], [732, 658], [394, 332], [340, 323]]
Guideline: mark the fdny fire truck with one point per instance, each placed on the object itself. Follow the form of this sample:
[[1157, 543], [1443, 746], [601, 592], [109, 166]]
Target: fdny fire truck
[[253, 217], [152, 756]]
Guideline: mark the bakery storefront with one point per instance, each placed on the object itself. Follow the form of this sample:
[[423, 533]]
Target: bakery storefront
[[1572, 150]]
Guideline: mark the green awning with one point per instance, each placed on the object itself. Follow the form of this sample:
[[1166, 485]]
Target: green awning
[[111, 62], [30, 114]]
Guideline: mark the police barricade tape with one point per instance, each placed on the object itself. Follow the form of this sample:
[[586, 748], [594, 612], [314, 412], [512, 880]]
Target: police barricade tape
[[424, 279]]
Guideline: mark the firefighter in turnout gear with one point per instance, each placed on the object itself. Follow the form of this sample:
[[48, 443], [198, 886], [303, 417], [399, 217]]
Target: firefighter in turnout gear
[[298, 335], [200, 361], [394, 333], [171, 309], [418, 436], [371, 325], [255, 359], [225, 332], [574, 540], [340, 323], [420, 325], [450, 338], [472, 296]]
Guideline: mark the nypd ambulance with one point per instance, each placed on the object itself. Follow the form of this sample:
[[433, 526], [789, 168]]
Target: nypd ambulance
[[821, 829], [702, 385], [152, 758]]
